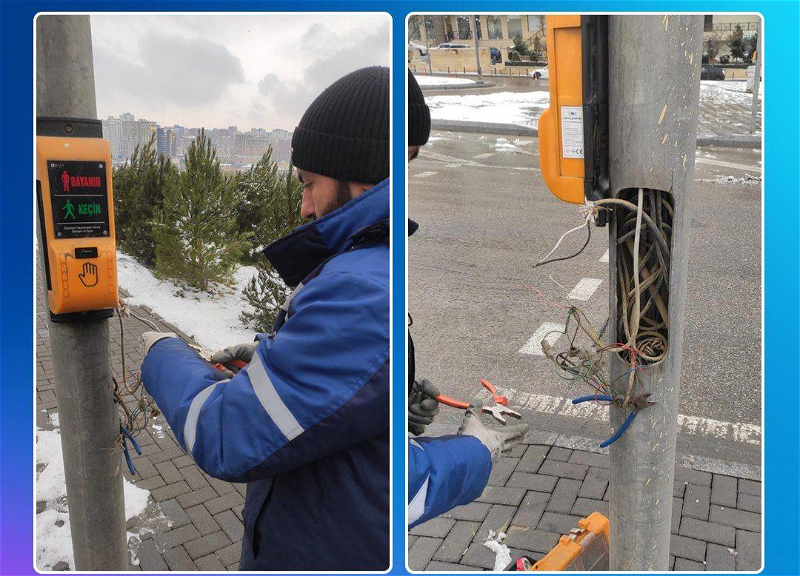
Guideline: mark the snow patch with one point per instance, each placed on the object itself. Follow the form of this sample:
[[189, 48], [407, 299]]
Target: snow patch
[[715, 92], [53, 538], [211, 319], [503, 145], [524, 108], [520, 108], [427, 81], [746, 179]]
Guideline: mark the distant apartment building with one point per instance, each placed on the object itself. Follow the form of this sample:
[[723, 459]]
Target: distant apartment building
[[124, 133], [233, 148], [494, 31], [166, 142]]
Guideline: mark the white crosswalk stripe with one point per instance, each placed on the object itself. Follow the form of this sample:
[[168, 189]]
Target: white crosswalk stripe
[[533, 346]]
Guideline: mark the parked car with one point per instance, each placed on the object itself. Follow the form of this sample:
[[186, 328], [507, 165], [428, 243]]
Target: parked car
[[451, 45], [540, 73], [497, 58], [711, 73]]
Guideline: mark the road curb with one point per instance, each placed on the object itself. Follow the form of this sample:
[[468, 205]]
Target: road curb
[[473, 84], [484, 128], [731, 141]]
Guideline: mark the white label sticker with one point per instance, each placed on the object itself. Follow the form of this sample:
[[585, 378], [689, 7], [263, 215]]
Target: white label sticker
[[572, 131]]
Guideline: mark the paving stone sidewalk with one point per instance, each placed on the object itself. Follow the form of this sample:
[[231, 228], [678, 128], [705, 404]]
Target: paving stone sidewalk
[[193, 521], [541, 491]]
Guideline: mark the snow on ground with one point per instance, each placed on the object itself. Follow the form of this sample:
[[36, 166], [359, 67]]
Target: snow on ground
[[429, 81], [503, 145], [211, 319], [521, 108], [524, 108], [725, 92], [746, 179], [53, 539]]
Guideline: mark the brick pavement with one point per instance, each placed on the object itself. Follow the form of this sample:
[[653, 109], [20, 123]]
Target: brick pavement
[[193, 522], [540, 491], [536, 493]]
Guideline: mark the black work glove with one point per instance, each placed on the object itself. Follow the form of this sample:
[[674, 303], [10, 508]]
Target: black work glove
[[422, 406]]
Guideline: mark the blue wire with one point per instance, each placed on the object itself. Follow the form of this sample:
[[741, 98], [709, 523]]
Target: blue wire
[[128, 457], [607, 398], [590, 397], [621, 430], [132, 439]]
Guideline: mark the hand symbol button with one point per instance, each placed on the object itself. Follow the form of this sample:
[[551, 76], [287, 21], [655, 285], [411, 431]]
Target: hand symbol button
[[89, 276]]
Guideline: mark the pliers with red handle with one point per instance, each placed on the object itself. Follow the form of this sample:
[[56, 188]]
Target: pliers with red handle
[[498, 410], [232, 365]]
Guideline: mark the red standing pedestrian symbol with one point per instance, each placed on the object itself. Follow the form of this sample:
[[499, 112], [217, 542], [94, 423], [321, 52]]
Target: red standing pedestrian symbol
[[65, 180]]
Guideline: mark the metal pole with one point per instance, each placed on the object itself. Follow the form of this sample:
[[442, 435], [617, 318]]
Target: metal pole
[[756, 80], [88, 416], [427, 43], [474, 23], [653, 95]]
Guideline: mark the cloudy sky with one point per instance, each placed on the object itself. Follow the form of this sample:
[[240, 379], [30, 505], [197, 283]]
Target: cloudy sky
[[254, 70]]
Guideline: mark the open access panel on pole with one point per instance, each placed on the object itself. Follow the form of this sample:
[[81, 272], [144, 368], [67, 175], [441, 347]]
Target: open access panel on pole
[[76, 215]]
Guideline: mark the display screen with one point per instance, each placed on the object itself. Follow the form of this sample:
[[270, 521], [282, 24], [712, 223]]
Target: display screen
[[79, 196]]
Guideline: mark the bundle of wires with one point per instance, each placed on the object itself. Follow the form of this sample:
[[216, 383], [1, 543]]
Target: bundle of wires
[[136, 414], [584, 359], [644, 232]]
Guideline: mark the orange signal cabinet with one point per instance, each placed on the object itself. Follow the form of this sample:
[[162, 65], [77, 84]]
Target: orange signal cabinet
[[561, 153], [76, 216]]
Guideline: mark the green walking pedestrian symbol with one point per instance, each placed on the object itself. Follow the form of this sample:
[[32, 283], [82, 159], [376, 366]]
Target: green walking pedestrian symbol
[[69, 210]]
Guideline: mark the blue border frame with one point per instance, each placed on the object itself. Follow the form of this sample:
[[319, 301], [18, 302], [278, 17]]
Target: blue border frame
[[781, 215]]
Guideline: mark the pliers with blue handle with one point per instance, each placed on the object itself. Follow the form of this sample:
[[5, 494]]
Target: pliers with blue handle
[[638, 403]]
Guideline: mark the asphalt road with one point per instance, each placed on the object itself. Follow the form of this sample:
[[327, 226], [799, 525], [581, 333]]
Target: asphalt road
[[486, 217]]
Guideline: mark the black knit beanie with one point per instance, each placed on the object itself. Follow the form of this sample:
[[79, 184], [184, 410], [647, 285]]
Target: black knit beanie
[[419, 116], [344, 134]]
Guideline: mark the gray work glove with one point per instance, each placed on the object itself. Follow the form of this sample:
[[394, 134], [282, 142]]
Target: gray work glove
[[497, 441], [150, 338], [243, 352], [422, 406]]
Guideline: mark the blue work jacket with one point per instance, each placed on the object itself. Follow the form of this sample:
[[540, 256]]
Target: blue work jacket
[[306, 423]]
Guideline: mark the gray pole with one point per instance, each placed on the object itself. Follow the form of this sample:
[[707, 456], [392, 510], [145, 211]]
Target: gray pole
[[474, 22], [654, 83], [427, 43], [84, 389], [756, 81]]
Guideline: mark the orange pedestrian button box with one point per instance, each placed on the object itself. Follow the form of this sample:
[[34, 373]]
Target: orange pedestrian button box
[[76, 216], [561, 133], [585, 548]]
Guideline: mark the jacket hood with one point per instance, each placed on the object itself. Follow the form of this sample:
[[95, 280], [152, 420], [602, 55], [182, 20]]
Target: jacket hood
[[298, 253]]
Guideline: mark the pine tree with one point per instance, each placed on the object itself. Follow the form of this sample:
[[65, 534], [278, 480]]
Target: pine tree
[[139, 187], [736, 42], [270, 209], [196, 234]]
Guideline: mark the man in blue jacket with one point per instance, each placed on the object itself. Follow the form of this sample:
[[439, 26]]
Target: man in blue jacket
[[306, 423], [444, 471]]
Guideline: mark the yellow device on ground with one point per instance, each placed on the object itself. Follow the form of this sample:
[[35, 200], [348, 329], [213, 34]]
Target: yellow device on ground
[[585, 548], [561, 134], [76, 217]]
